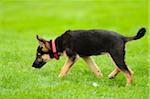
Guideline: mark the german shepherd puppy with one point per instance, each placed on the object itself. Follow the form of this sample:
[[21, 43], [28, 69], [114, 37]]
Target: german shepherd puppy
[[85, 43]]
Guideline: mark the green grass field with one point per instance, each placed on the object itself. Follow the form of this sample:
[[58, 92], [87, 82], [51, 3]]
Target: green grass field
[[21, 20]]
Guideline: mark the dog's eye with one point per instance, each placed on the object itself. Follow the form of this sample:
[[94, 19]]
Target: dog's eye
[[38, 54]]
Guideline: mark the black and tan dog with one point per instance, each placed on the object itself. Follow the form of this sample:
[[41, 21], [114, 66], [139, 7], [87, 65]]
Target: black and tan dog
[[85, 43]]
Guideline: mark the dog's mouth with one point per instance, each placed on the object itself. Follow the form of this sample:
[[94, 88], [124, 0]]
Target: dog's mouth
[[38, 64]]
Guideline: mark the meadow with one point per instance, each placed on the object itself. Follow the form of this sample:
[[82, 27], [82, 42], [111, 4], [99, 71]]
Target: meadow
[[21, 20]]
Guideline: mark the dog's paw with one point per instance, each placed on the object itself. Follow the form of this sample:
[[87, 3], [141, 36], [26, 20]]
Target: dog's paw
[[111, 76], [128, 85], [100, 75], [61, 75]]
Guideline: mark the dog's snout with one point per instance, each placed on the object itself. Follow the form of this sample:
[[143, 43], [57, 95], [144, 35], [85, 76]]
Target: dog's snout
[[38, 64], [34, 64]]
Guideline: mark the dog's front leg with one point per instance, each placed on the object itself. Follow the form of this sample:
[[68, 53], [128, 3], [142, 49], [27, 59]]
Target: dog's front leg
[[93, 66], [67, 66]]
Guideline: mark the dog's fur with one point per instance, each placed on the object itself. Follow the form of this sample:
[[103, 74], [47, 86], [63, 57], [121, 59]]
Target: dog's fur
[[85, 43]]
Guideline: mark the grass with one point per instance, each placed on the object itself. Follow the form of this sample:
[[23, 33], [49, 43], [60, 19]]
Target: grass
[[21, 20]]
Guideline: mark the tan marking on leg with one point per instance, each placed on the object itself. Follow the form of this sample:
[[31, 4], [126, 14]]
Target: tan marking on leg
[[66, 67], [128, 74], [131, 70], [93, 66], [114, 73], [116, 70], [129, 78]]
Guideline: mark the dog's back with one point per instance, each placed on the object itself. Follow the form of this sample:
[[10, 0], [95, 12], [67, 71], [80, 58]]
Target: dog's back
[[93, 42]]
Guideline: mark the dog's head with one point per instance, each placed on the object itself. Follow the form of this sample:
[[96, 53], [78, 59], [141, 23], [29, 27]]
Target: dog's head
[[43, 54]]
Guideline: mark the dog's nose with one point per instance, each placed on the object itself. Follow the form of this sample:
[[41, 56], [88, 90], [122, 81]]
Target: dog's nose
[[34, 64], [38, 64]]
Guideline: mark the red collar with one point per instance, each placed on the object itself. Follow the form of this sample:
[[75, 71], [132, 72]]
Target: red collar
[[56, 56]]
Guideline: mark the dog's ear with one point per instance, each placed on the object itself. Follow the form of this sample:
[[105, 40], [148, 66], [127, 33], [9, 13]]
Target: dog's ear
[[40, 40], [43, 43]]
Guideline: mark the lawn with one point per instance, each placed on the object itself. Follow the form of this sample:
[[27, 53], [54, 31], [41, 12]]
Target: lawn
[[21, 20]]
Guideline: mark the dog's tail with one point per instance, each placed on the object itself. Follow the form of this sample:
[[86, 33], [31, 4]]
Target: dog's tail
[[139, 35]]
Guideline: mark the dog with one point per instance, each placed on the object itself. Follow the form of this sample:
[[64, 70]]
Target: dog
[[84, 44]]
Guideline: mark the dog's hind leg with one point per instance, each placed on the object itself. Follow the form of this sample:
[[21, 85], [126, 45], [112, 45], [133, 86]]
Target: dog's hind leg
[[118, 57], [114, 73], [67, 66], [93, 66]]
